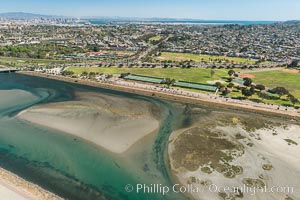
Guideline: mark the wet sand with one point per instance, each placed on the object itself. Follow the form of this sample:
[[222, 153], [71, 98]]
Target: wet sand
[[112, 122]]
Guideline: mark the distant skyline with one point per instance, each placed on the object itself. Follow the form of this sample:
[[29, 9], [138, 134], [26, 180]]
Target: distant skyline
[[273, 10]]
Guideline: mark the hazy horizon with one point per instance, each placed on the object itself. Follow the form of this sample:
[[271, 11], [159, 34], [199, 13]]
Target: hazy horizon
[[131, 17], [268, 10]]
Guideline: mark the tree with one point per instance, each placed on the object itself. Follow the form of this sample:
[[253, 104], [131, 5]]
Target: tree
[[230, 85], [231, 72], [252, 89], [85, 73], [94, 48], [169, 81], [293, 99], [260, 87], [123, 75], [225, 92], [281, 91], [246, 92], [219, 84], [67, 73], [247, 82], [293, 64], [92, 74]]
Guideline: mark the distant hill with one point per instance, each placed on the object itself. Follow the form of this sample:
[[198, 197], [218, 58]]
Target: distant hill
[[23, 15], [103, 20], [293, 22], [134, 18]]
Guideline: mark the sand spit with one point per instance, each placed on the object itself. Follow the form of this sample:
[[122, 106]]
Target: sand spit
[[112, 122], [238, 156], [13, 187]]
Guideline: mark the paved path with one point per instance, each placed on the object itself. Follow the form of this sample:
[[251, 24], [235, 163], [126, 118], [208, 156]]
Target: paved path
[[10, 192], [178, 94]]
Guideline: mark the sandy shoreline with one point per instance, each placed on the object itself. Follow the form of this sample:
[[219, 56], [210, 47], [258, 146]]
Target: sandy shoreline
[[173, 97], [13, 187], [112, 122]]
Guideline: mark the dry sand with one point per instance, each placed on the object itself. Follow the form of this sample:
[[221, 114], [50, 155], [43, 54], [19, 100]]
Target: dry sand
[[112, 122], [293, 71], [13, 187], [246, 76]]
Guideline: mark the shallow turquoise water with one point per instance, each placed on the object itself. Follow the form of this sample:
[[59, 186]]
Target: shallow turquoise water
[[69, 166]]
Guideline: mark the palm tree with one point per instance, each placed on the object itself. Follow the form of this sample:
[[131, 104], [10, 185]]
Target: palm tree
[[212, 73]]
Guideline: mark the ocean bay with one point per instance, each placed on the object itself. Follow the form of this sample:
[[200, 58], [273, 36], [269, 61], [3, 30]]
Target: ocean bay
[[76, 166], [67, 165]]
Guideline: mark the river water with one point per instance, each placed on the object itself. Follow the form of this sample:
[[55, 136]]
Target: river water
[[71, 167]]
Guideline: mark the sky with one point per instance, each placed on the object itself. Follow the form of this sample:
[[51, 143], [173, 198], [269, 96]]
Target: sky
[[279, 10]]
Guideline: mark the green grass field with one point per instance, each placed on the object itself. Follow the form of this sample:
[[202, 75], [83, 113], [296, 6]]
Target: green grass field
[[283, 101], [155, 38], [271, 79], [200, 58], [192, 75], [4, 60]]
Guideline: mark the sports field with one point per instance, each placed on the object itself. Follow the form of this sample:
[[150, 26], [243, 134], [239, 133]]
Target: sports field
[[283, 78], [29, 60], [155, 38], [191, 75], [290, 79]]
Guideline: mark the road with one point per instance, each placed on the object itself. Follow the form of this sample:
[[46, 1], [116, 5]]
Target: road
[[145, 53]]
